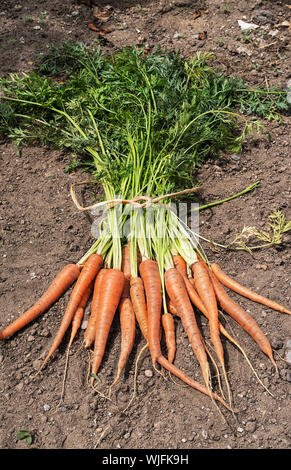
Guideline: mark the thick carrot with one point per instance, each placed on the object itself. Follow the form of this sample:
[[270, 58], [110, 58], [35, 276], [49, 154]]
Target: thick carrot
[[177, 292], [89, 334], [244, 291], [170, 336], [138, 299], [149, 271], [127, 323], [245, 320], [57, 288], [111, 289], [87, 275], [206, 293]]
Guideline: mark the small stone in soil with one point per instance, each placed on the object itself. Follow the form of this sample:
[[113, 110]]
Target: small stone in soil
[[148, 373]]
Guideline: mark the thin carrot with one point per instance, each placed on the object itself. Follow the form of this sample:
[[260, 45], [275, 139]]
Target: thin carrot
[[89, 334], [137, 295], [177, 292], [111, 289], [244, 291], [125, 268], [169, 330], [242, 317], [171, 307], [76, 323], [127, 323], [180, 264], [206, 293], [87, 275], [57, 288], [149, 271], [125, 264], [78, 316]]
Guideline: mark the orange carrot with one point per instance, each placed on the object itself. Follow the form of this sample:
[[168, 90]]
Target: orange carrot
[[125, 268], [171, 307], [111, 288], [149, 271], [180, 264], [244, 291], [169, 330], [125, 264], [88, 273], [89, 334], [245, 320], [177, 292], [78, 316], [138, 299], [127, 323], [57, 288], [206, 293]]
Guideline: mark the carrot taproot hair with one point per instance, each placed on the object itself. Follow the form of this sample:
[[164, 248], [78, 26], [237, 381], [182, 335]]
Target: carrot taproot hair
[[89, 334], [243, 318], [227, 281], [177, 292], [57, 288], [168, 323], [87, 275], [150, 274], [111, 288], [137, 295]]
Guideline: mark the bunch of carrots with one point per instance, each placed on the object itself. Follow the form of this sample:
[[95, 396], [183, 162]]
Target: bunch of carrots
[[160, 276], [146, 265]]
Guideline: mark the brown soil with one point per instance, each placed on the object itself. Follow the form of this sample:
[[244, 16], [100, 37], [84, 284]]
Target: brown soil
[[41, 230]]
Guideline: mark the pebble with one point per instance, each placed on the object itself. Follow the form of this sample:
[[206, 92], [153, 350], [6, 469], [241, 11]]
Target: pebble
[[235, 157], [30, 338], [148, 373], [251, 426], [239, 429], [37, 27], [46, 407], [204, 433]]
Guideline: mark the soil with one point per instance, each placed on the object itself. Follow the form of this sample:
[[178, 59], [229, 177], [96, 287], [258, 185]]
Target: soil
[[41, 230]]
